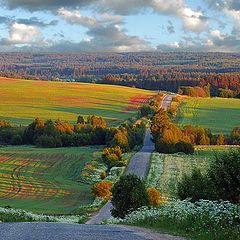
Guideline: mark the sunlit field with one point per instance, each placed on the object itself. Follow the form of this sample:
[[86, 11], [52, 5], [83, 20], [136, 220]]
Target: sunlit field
[[218, 114], [23, 100], [45, 180], [166, 170]]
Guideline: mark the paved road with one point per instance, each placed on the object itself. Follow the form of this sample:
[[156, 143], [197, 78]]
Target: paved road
[[167, 100], [59, 231], [138, 165]]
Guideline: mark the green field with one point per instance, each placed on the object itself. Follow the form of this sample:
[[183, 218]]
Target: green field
[[45, 180], [166, 170], [23, 100], [218, 114]]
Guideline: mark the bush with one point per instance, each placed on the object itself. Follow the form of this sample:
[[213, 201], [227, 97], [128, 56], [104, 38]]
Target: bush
[[48, 141], [102, 189], [154, 196], [184, 147], [129, 193], [103, 175], [194, 186], [225, 176], [221, 182], [16, 140]]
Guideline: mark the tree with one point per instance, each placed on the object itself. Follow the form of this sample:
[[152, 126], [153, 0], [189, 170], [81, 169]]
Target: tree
[[80, 120], [220, 139], [129, 193], [102, 189], [225, 176], [195, 186]]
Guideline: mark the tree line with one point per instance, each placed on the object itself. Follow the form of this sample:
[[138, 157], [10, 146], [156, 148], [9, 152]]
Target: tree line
[[93, 131]]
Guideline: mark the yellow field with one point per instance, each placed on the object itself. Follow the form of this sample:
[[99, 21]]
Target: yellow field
[[23, 100]]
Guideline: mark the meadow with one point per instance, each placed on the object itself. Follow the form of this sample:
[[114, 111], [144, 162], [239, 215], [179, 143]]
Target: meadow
[[166, 170], [45, 180], [23, 100], [218, 114]]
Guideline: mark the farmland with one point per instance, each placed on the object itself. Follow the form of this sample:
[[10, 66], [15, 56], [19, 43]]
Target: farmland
[[45, 180], [218, 114], [167, 169], [23, 100]]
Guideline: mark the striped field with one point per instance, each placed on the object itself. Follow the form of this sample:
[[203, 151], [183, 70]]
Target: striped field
[[23, 100], [45, 180]]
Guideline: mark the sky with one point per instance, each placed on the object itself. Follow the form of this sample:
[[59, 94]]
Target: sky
[[119, 25]]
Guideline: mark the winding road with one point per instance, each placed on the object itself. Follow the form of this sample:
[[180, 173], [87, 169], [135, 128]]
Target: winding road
[[93, 230], [138, 165]]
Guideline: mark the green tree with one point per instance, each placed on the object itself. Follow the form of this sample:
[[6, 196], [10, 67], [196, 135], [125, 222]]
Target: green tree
[[129, 193]]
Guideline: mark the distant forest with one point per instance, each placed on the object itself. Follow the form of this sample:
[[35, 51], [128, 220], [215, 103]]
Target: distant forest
[[153, 70]]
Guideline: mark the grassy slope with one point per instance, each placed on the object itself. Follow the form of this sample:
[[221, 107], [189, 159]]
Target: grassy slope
[[167, 169], [44, 180], [22, 100], [218, 114]]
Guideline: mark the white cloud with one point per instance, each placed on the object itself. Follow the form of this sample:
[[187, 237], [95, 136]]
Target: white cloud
[[75, 16], [22, 34], [193, 20], [104, 33], [216, 34]]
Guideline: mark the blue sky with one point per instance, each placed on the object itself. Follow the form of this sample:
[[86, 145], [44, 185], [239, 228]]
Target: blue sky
[[120, 25]]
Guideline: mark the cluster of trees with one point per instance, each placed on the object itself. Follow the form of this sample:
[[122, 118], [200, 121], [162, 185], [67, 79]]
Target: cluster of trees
[[167, 136], [93, 131], [195, 91], [64, 134], [221, 181], [149, 109], [126, 138]]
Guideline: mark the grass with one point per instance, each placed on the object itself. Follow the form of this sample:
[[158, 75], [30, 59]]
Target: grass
[[45, 180], [166, 170], [218, 114], [23, 100]]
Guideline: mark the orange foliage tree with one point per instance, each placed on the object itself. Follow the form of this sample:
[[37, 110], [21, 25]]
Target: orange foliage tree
[[102, 189], [154, 196]]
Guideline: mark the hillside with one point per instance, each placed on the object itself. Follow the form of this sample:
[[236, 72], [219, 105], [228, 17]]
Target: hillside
[[45, 180], [218, 114], [23, 100]]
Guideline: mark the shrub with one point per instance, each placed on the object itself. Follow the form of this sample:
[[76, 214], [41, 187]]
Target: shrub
[[102, 189], [225, 176], [48, 141], [103, 175], [194, 186], [184, 147], [221, 182], [112, 156], [129, 193], [154, 196], [16, 140]]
